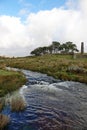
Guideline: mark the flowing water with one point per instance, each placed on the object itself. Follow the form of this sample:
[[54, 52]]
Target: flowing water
[[51, 105]]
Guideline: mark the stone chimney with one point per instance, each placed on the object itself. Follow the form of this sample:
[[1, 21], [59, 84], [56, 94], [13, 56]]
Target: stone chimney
[[82, 47]]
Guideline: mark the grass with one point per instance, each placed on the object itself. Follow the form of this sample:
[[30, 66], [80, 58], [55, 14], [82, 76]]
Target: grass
[[2, 103], [7, 73], [10, 81], [17, 104], [4, 120], [59, 66]]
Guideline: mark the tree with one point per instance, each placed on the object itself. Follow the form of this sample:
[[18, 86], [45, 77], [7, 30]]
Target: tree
[[50, 49], [37, 51], [71, 47], [55, 46], [40, 51], [44, 50], [68, 47]]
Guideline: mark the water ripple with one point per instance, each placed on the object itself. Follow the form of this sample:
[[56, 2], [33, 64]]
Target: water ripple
[[51, 105]]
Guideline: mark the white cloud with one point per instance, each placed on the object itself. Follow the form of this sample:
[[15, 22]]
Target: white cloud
[[57, 24], [83, 7], [23, 12], [13, 35], [71, 4], [42, 28]]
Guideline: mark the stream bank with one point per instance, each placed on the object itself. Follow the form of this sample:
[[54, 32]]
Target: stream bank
[[51, 104]]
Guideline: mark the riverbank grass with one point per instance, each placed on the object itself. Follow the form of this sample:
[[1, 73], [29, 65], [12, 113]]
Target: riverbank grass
[[10, 81], [60, 66], [17, 104], [2, 104], [4, 120]]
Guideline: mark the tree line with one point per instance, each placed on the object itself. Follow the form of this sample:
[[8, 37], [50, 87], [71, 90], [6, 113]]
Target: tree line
[[55, 48]]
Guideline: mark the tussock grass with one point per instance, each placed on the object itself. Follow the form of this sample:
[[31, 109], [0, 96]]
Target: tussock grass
[[2, 104], [4, 120], [17, 104]]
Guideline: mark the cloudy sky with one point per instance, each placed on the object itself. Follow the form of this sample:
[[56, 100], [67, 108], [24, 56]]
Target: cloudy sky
[[27, 24]]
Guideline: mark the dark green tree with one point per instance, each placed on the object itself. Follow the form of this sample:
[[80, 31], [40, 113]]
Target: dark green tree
[[37, 51], [50, 49], [55, 46], [71, 47], [68, 47]]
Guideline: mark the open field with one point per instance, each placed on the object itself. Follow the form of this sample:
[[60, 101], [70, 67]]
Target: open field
[[63, 67]]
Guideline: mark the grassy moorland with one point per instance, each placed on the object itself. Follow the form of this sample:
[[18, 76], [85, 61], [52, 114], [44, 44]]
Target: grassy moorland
[[10, 81], [63, 67]]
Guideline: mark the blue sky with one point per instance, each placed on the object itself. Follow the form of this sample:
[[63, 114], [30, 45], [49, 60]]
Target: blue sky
[[28, 24], [13, 7]]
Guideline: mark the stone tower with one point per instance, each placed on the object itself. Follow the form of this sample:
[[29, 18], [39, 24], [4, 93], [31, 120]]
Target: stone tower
[[82, 47]]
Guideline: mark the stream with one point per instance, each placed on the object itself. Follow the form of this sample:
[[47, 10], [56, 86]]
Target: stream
[[51, 105]]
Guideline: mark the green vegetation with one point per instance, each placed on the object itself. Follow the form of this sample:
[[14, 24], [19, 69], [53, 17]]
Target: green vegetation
[[60, 66], [10, 81], [55, 48]]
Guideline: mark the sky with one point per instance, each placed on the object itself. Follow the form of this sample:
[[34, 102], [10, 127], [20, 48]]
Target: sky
[[28, 24]]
